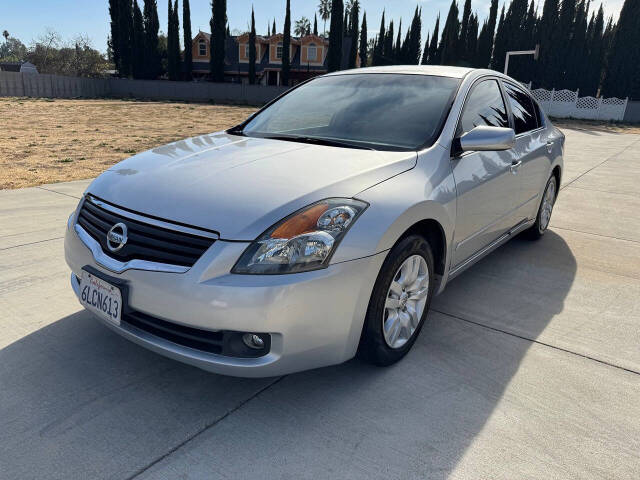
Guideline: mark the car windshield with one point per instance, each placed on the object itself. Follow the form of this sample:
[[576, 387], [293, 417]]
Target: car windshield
[[380, 111]]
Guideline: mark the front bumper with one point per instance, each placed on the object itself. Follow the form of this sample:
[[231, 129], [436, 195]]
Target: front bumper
[[314, 318]]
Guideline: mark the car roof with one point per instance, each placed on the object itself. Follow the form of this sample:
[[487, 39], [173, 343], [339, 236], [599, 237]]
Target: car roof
[[435, 70]]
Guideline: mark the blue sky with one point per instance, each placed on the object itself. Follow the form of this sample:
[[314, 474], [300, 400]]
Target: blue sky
[[27, 20]]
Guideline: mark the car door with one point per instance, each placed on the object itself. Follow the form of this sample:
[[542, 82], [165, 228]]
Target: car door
[[488, 192], [531, 148]]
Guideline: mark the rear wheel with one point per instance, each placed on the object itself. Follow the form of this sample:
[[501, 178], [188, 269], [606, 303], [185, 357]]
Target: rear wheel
[[399, 302], [544, 212]]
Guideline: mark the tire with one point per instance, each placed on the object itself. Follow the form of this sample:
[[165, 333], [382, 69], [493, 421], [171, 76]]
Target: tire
[[536, 231], [374, 347]]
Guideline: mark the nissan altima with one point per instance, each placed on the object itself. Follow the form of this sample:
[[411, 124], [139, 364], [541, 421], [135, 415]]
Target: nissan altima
[[321, 227]]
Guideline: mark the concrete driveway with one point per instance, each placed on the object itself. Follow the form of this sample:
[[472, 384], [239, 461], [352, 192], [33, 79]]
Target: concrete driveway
[[529, 366]]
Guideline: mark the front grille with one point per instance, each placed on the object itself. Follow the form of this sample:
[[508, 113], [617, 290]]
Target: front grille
[[145, 241]]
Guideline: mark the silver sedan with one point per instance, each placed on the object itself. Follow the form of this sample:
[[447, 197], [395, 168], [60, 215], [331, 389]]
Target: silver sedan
[[321, 227]]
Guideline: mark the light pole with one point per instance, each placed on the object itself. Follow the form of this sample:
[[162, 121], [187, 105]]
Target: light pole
[[535, 53]]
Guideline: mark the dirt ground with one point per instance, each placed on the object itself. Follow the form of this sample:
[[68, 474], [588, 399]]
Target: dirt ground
[[46, 141]]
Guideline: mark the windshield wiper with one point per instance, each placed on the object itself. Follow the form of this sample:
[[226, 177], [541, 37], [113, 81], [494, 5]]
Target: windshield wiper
[[318, 141]]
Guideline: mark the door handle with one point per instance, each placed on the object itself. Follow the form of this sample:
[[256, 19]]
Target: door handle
[[515, 165]]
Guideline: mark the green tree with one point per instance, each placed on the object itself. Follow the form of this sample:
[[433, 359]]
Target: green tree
[[125, 37], [173, 42], [463, 53], [415, 39], [286, 44], [138, 42], [425, 52], [378, 49], [315, 24], [188, 40], [302, 27], [387, 51], [547, 33], [324, 9], [363, 41], [12, 50], [335, 36], [450, 37], [114, 13], [500, 45], [622, 77], [273, 28], [252, 50], [595, 60], [218, 39], [354, 31], [152, 57], [485, 39]]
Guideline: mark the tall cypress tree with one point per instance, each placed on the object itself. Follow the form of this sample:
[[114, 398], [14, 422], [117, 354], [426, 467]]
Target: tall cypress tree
[[463, 54], [315, 24], [252, 50], [138, 43], [114, 6], [434, 57], [596, 54], [425, 52], [562, 42], [576, 71], [363, 41], [485, 39], [622, 77], [273, 27], [378, 49], [547, 33], [415, 39], [335, 36], [354, 18], [500, 45], [450, 36], [286, 44], [218, 39], [173, 42], [387, 51], [125, 37], [152, 60], [471, 46], [397, 56], [188, 40]]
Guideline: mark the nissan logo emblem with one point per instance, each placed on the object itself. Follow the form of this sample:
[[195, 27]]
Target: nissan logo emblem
[[117, 237]]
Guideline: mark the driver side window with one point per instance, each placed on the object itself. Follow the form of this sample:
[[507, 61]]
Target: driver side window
[[484, 106]]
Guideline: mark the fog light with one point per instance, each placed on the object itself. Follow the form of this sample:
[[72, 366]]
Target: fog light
[[252, 340]]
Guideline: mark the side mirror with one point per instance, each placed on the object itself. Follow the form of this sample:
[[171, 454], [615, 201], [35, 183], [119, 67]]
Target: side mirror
[[485, 138]]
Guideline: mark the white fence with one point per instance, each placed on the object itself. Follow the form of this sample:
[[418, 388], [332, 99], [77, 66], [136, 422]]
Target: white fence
[[567, 104]]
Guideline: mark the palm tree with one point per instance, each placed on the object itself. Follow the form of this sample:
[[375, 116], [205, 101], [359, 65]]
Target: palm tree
[[324, 9], [302, 27], [5, 34]]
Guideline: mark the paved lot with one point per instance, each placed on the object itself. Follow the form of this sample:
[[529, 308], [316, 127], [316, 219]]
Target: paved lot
[[529, 366]]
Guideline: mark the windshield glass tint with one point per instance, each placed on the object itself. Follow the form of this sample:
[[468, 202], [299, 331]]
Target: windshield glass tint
[[378, 110]]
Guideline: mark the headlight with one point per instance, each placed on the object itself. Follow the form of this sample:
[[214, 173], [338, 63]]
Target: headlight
[[303, 241]]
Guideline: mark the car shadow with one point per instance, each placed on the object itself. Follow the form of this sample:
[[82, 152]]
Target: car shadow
[[78, 401]]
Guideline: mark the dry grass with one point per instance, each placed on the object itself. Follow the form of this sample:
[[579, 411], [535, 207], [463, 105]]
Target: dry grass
[[45, 141]]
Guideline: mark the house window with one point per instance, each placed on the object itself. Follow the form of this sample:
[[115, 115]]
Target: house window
[[312, 52], [279, 51], [202, 48]]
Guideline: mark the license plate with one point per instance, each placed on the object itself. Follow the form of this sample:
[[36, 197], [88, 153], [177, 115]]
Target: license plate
[[102, 298]]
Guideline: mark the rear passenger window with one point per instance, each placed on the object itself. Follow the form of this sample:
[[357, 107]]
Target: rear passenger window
[[484, 106], [524, 113]]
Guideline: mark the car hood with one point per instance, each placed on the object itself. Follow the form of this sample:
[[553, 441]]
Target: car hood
[[240, 186]]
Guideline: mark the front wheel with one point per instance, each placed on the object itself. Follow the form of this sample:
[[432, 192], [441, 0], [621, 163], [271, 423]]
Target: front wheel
[[544, 212], [399, 302]]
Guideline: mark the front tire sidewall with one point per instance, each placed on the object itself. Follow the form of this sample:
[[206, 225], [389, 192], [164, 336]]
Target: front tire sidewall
[[536, 231], [373, 347]]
